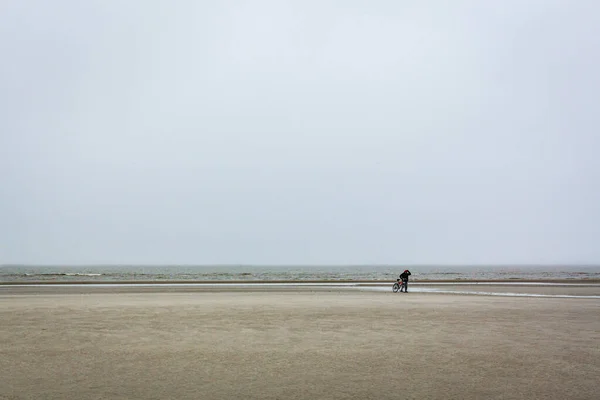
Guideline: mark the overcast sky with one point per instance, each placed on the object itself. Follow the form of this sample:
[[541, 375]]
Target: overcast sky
[[317, 132]]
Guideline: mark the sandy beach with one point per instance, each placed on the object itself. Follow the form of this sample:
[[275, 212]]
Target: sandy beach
[[295, 344]]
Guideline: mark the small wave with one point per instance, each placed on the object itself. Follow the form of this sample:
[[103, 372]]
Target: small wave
[[50, 274]]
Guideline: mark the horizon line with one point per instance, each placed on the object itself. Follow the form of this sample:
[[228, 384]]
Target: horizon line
[[305, 265]]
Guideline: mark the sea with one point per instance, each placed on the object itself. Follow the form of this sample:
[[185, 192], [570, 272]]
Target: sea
[[166, 273]]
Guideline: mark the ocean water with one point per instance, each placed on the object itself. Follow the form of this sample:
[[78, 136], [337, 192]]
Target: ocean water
[[98, 273]]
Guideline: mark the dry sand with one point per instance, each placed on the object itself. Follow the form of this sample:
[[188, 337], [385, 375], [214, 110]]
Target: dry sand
[[296, 345]]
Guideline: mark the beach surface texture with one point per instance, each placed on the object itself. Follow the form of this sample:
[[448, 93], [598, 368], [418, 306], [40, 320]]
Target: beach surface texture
[[291, 342]]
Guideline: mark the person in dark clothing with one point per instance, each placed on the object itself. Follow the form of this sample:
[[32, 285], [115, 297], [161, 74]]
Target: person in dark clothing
[[404, 277]]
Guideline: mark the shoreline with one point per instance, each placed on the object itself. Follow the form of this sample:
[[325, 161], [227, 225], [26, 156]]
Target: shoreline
[[554, 289], [582, 281]]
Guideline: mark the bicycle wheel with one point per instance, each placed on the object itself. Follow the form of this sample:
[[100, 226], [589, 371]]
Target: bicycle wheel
[[396, 287]]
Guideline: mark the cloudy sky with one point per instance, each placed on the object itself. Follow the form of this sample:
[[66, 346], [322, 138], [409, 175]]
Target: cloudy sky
[[316, 132]]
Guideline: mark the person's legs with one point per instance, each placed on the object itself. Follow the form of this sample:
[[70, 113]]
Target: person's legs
[[405, 286]]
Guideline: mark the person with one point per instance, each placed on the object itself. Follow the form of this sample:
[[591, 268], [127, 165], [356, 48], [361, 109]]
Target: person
[[404, 277]]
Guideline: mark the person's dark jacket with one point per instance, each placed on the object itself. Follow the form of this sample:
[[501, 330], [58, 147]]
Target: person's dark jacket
[[404, 276]]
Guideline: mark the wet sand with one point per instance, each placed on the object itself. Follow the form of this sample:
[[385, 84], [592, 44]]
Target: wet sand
[[495, 287], [529, 288], [295, 344]]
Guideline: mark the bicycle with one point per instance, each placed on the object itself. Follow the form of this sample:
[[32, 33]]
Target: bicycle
[[398, 286]]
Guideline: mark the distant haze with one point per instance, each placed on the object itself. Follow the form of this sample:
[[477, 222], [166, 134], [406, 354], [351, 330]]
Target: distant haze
[[299, 132]]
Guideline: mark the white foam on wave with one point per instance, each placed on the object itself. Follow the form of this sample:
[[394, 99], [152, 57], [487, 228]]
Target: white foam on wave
[[168, 284]]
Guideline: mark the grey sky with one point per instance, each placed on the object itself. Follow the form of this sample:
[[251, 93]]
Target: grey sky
[[299, 131]]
